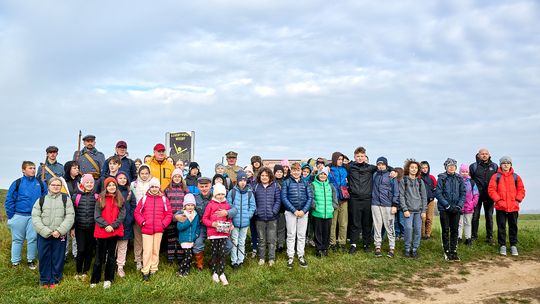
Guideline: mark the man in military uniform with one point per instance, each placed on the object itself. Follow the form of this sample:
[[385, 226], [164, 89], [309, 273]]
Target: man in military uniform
[[89, 158], [51, 168], [232, 169]]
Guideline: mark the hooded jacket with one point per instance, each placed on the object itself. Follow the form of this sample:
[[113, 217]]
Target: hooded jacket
[[429, 181], [337, 175], [385, 190], [471, 196], [140, 187], [244, 202], [450, 191], [153, 214], [481, 172], [412, 195], [72, 183], [506, 195], [130, 204], [210, 217]]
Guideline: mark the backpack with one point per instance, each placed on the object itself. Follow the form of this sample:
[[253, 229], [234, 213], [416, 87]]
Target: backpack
[[419, 184], [79, 195], [42, 201], [144, 201], [499, 178], [233, 194], [18, 184]]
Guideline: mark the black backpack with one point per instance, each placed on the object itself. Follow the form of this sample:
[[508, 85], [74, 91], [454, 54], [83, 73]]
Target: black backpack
[[42, 201], [18, 184]]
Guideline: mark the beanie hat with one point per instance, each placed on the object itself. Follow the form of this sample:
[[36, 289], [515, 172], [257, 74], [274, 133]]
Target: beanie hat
[[177, 172], [249, 168], [87, 177], [307, 165], [241, 175], [505, 159], [323, 170], [255, 159], [154, 182], [285, 163], [383, 160], [122, 173], [193, 165], [109, 180], [464, 168], [189, 199], [219, 165], [216, 177], [277, 168], [450, 162], [218, 189]]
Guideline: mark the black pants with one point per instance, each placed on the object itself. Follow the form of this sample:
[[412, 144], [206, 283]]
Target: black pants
[[218, 255], [185, 256], [86, 243], [449, 226], [322, 232], [105, 254], [360, 220], [488, 214], [512, 218]]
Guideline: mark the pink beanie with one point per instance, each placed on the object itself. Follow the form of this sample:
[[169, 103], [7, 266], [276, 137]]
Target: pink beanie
[[177, 172], [464, 168], [285, 163], [86, 178]]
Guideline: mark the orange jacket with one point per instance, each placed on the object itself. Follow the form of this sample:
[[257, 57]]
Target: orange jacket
[[505, 195], [162, 171]]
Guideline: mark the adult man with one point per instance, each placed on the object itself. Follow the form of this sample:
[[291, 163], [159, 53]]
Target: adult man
[[51, 166], [481, 172], [127, 165], [20, 199], [90, 159], [232, 169], [160, 168]]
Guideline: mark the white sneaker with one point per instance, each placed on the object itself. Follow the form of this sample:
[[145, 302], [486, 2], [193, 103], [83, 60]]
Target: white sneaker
[[253, 254], [223, 279], [271, 263], [502, 250], [84, 276], [514, 251], [215, 278], [106, 284], [261, 262], [121, 272], [93, 285], [139, 265]]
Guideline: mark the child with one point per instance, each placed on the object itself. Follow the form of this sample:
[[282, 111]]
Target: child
[[324, 196], [253, 222], [191, 179], [218, 230], [251, 177], [268, 202], [507, 191], [384, 204], [471, 199], [431, 184], [188, 231], [140, 187], [399, 219], [297, 196], [281, 227], [338, 179], [218, 179], [114, 167], [450, 194], [138, 163], [175, 192], [85, 205], [241, 197], [181, 166], [306, 172], [109, 216], [130, 204], [256, 164], [413, 201], [286, 168], [52, 217], [227, 182], [153, 214]]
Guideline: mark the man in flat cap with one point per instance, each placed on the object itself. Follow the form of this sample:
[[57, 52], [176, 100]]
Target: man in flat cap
[[232, 169], [127, 166], [51, 168], [90, 159]]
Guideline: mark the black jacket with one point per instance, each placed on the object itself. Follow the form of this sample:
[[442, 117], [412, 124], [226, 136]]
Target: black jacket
[[481, 172], [84, 211], [360, 180]]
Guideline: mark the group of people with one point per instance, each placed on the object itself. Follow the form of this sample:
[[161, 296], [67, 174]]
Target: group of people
[[103, 204]]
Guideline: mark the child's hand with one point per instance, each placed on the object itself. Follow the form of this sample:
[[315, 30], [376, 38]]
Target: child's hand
[[109, 229], [406, 214], [231, 228], [215, 224], [393, 210], [180, 218], [423, 215]]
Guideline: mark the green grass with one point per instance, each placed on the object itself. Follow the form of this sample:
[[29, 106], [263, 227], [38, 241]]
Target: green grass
[[328, 279]]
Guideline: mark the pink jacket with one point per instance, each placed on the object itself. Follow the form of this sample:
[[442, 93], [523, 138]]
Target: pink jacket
[[471, 198], [210, 216], [153, 214]]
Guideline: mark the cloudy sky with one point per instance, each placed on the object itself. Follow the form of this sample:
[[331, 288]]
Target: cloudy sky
[[280, 79]]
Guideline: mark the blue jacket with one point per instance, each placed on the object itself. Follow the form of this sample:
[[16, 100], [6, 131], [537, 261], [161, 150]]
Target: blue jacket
[[296, 196], [385, 191], [130, 204], [22, 201], [85, 165], [127, 166], [188, 231], [57, 168], [268, 201], [244, 202], [338, 178], [450, 191]]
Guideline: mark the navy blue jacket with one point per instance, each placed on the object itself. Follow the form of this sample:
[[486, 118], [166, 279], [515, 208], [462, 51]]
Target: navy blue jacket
[[268, 201], [130, 204], [296, 196], [385, 190], [127, 166], [450, 191]]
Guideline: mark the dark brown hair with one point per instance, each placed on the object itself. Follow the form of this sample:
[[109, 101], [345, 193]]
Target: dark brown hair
[[361, 150], [268, 171], [27, 163], [408, 164]]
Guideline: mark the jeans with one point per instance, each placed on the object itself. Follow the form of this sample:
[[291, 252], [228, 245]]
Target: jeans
[[238, 253], [413, 226], [21, 228], [449, 226], [281, 230], [199, 242], [399, 228], [267, 231], [51, 259]]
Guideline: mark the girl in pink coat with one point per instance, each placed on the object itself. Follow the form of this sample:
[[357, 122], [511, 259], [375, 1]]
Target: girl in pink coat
[[471, 200]]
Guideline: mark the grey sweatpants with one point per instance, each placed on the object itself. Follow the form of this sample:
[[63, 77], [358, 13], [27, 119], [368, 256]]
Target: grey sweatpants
[[382, 216]]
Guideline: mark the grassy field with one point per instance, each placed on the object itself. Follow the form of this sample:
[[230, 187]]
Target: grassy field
[[329, 279]]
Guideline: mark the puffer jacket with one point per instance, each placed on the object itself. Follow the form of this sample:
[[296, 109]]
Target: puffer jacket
[[412, 195], [130, 205], [338, 178], [188, 231], [210, 217], [506, 195], [360, 177], [450, 191], [471, 197], [481, 172], [109, 215], [244, 202], [153, 213], [268, 200], [52, 216], [296, 195], [324, 196], [84, 211], [385, 190]]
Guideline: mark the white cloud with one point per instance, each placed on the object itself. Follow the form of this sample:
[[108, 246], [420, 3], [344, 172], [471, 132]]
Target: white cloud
[[264, 91]]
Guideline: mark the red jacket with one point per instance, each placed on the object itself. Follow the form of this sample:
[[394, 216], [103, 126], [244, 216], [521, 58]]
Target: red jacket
[[505, 195], [110, 215], [153, 213], [210, 216]]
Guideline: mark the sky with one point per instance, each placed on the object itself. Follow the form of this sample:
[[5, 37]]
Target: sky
[[281, 79]]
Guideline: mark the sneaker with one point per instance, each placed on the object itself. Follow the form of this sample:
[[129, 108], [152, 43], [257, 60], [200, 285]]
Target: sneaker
[[234, 266], [93, 285], [121, 272], [407, 253], [84, 276], [378, 252], [52, 286], [146, 277], [334, 248], [179, 274], [215, 278], [514, 251], [455, 257], [253, 254], [32, 265], [390, 253], [490, 241], [139, 266], [223, 279], [468, 242], [271, 263], [290, 263], [318, 253], [302, 262], [325, 252], [414, 254], [502, 250], [106, 284], [366, 248], [352, 250], [447, 256], [15, 265], [261, 262]]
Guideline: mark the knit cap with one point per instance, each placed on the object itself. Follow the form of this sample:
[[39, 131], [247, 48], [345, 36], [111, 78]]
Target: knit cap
[[177, 172], [189, 199], [505, 159], [450, 162], [285, 163], [218, 189], [463, 168], [154, 182], [383, 160], [87, 177], [323, 170], [240, 175]]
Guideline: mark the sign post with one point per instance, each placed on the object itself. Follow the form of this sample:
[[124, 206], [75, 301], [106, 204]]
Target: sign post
[[181, 145]]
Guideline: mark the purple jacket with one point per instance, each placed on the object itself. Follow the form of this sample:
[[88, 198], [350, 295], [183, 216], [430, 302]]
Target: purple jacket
[[471, 197]]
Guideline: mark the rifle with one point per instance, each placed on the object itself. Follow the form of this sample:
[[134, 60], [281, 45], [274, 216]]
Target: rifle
[[43, 169], [78, 148]]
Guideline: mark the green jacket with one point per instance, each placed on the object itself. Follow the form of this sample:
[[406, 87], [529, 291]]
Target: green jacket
[[52, 216], [325, 199]]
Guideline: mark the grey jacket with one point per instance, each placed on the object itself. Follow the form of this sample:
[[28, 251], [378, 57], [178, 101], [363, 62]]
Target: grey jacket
[[412, 195], [52, 216]]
